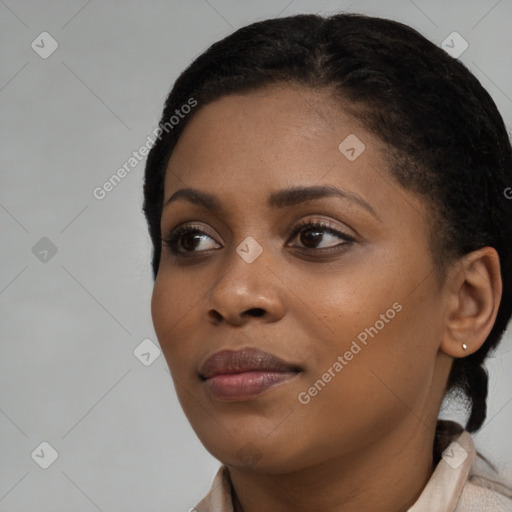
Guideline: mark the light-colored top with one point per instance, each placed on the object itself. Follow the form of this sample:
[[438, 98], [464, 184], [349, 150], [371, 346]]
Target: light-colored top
[[461, 482]]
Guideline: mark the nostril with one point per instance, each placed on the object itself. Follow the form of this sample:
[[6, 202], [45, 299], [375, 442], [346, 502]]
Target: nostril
[[256, 311], [216, 315]]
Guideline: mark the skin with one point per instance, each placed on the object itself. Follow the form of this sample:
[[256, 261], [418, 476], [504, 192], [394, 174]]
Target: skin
[[364, 442]]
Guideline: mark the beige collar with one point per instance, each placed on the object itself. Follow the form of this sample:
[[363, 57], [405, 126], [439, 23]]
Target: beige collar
[[443, 490], [441, 494]]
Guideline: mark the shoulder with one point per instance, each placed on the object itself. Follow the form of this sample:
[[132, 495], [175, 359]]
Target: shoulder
[[485, 489], [219, 497], [479, 498]]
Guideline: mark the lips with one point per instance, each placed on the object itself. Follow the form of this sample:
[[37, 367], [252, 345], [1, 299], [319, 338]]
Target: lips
[[242, 374], [245, 360]]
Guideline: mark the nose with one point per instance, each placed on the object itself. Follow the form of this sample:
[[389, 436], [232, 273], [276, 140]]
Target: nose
[[246, 292]]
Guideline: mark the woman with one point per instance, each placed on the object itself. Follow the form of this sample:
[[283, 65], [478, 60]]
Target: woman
[[332, 255]]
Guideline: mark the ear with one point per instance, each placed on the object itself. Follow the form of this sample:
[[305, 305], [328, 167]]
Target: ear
[[474, 289]]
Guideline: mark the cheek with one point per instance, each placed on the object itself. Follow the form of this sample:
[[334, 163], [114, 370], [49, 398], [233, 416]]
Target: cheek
[[381, 323], [176, 295], [162, 311], [172, 305], [378, 384]]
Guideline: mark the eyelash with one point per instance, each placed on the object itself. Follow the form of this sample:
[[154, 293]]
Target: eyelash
[[172, 240]]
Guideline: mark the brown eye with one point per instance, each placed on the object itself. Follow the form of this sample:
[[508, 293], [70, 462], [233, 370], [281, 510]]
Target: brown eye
[[185, 240], [310, 237], [315, 233], [190, 241]]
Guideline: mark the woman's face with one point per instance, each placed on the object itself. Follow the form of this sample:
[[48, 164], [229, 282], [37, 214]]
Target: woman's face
[[353, 309]]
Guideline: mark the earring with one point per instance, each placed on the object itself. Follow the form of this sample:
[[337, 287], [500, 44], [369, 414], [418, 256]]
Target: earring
[[464, 346]]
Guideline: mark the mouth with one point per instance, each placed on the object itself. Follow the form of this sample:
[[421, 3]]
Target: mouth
[[243, 374]]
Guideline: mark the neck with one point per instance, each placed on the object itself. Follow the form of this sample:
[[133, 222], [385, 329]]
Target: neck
[[387, 475]]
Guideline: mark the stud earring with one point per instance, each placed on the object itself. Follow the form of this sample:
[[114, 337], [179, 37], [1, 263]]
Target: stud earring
[[464, 346]]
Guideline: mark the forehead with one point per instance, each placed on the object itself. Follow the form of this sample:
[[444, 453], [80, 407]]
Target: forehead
[[265, 135], [244, 147]]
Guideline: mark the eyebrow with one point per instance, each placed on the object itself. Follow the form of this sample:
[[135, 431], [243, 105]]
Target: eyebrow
[[281, 199]]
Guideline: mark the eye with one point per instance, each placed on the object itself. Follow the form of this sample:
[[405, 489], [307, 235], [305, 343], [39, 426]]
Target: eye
[[311, 234], [186, 239]]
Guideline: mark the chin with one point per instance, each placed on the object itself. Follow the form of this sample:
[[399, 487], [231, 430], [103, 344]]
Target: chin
[[271, 455]]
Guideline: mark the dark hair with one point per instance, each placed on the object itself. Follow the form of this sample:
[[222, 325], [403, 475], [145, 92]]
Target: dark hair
[[447, 141]]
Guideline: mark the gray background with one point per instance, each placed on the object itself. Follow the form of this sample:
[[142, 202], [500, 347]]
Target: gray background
[[70, 322]]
